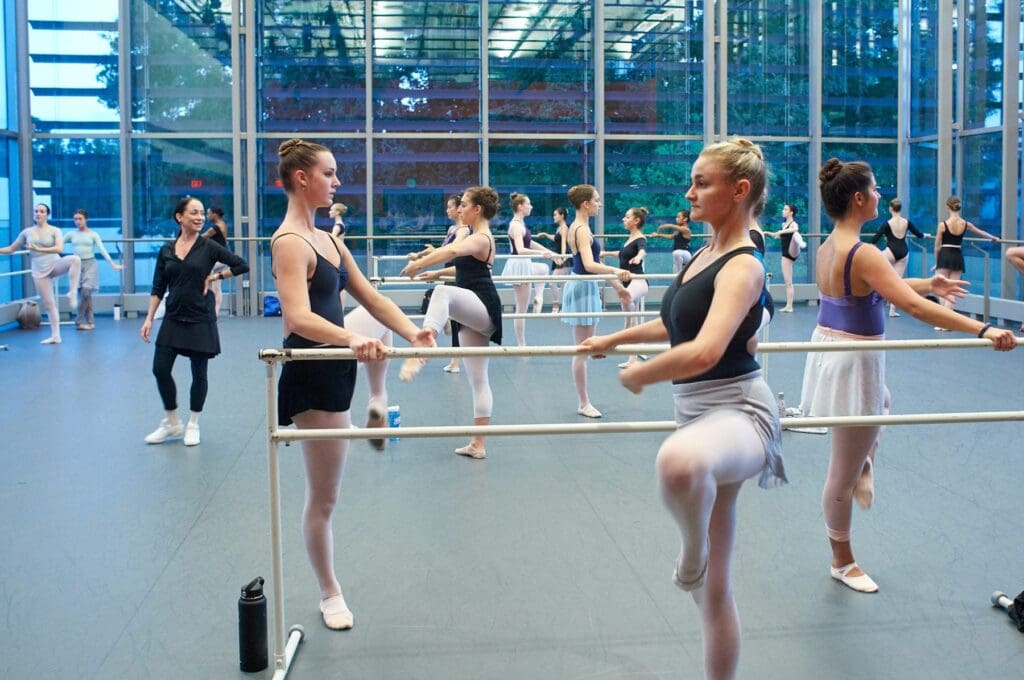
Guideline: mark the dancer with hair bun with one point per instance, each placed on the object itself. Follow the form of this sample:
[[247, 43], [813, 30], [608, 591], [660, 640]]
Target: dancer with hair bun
[[521, 245], [788, 235], [473, 301], [585, 296], [853, 284], [45, 244], [561, 258], [311, 268], [727, 417], [894, 231], [631, 257], [949, 257]]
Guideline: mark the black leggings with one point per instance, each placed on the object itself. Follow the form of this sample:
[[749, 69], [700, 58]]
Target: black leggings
[[163, 362]]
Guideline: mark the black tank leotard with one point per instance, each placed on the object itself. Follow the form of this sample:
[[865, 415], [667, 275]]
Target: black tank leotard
[[317, 385]]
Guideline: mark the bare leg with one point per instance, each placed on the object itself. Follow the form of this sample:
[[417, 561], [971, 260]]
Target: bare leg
[[360, 321], [218, 296]]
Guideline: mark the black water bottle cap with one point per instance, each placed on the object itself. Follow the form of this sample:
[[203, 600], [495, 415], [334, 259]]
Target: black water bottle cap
[[254, 589]]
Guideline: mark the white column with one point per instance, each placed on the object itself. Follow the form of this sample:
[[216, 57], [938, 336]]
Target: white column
[[1011, 135], [599, 109], [944, 106]]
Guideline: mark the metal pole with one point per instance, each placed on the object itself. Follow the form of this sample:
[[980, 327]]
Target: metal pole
[[944, 106], [368, 124], [1011, 134], [903, 103], [708, 17], [252, 193], [485, 94], [124, 101], [815, 71], [599, 109]]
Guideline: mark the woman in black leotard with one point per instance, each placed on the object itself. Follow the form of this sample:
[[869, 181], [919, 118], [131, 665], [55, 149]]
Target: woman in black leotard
[[949, 258], [311, 268], [473, 301], [561, 260], [790, 250], [894, 231], [728, 421]]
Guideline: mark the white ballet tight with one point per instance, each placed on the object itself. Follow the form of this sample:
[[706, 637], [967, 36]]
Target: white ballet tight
[[462, 305], [556, 286], [522, 294], [69, 264], [324, 462], [700, 468], [680, 258], [360, 321], [851, 447], [579, 363]]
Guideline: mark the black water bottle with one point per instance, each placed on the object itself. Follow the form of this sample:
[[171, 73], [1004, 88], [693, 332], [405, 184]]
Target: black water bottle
[[252, 627]]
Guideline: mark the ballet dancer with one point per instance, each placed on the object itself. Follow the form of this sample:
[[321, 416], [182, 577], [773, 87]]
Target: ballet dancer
[[473, 301], [728, 420], [853, 284], [311, 267]]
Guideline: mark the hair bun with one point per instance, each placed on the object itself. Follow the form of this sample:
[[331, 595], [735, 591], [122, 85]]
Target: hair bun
[[829, 171], [288, 146]]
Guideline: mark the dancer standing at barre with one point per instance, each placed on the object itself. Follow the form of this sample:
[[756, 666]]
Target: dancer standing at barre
[[45, 243], [521, 245], [894, 231], [561, 259], [311, 267], [585, 296], [680, 235], [789, 236], [949, 257], [631, 257], [728, 420], [85, 241], [473, 301], [853, 284], [456, 232]]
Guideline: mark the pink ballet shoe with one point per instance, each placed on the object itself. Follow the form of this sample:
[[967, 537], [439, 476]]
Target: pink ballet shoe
[[862, 583], [410, 369], [691, 584], [864, 491], [471, 452]]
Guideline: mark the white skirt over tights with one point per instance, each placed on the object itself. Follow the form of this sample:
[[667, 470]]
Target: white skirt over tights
[[843, 383], [518, 265]]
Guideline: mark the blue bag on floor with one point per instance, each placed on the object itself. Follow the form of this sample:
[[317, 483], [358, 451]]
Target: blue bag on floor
[[271, 306]]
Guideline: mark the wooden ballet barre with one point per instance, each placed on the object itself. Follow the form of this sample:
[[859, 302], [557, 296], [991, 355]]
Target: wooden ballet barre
[[290, 435], [272, 355]]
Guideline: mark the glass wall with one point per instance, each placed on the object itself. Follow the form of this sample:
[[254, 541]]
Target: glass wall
[[436, 118], [768, 68], [860, 72], [540, 61], [311, 65], [654, 67]]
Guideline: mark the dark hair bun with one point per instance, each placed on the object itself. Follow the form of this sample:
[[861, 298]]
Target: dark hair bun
[[829, 171]]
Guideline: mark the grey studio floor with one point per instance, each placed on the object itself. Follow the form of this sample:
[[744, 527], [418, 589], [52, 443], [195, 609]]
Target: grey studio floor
[[550, 559]]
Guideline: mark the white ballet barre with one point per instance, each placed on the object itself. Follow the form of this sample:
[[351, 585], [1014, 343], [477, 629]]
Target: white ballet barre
[[562, 315], [429, 432], [286, 644], [404, 280], [646, 348]]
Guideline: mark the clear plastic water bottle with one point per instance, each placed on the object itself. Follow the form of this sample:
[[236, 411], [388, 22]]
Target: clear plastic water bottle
[[394, 419], [781, 402]]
